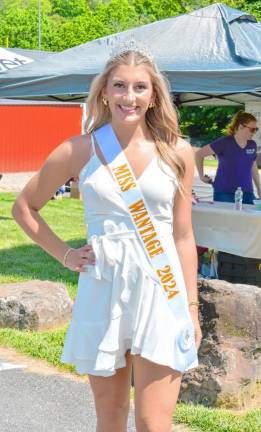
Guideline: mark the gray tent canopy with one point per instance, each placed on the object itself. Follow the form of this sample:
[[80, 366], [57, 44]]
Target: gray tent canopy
[[211, 55], [11, 58]]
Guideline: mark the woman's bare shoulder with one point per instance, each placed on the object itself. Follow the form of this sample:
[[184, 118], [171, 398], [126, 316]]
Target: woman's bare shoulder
[[186, 153], [182, 144], [80, 148]]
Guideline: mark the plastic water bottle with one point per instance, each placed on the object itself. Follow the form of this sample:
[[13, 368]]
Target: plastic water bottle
[[238, 198]]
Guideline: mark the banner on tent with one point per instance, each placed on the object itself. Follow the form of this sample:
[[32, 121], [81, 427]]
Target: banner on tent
[[10, 60]]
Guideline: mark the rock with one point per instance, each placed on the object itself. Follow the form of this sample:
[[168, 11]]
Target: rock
[[230, 352], [34, 305]]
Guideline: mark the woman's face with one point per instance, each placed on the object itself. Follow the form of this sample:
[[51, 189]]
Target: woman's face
[[247, 130], [129, 92]]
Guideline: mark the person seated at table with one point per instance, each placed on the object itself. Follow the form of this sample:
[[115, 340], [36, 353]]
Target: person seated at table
[[237, 166]]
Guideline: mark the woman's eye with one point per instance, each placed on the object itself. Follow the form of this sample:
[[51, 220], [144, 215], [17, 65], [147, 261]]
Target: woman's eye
[[118, 85], [141, 87]]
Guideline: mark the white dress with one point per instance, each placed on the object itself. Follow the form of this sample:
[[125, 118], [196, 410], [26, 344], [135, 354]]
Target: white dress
[[119, 306]]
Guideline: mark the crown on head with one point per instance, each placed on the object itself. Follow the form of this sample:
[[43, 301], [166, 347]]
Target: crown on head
[[118, 47]]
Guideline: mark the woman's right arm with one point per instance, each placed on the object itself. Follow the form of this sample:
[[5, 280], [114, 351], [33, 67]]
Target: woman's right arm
[[199, 159], [63, 163]]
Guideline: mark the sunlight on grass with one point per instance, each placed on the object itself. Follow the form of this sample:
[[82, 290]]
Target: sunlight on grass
[[210, 163], [22, 259], [217, 420]]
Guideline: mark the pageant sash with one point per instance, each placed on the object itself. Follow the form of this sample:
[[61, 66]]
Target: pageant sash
[[144, 223]]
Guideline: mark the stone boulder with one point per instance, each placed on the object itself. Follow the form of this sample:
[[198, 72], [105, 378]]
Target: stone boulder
[[34, 305], [230, 353]]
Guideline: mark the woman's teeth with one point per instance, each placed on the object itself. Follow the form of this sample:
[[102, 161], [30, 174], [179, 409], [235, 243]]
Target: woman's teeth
[[127, 108]]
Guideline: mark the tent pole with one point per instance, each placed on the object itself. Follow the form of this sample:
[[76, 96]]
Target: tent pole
[[255, 109], [84, 116]]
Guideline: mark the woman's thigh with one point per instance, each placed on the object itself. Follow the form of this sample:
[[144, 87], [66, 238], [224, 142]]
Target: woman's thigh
[[112, 397], [156, 391]]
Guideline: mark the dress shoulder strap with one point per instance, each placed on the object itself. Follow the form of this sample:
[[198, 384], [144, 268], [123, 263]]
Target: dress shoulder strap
[[93, 144]]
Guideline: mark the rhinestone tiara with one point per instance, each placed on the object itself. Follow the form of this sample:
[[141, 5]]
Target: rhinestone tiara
[[117, 47]]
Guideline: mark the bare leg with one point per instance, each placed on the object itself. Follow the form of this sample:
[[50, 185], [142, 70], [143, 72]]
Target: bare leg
[[156, 392], [112, 399]]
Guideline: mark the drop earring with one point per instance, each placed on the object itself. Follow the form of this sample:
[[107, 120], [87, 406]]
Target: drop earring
[[152, 105], [104, 101]]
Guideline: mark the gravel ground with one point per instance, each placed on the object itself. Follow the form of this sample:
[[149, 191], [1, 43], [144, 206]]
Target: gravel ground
[[14, 182]]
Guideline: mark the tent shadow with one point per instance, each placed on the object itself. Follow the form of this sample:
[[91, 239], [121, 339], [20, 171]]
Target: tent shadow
[[31, 262]]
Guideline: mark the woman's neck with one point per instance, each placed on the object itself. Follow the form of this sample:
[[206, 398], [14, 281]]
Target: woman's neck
[[130, 135], [242, 141]]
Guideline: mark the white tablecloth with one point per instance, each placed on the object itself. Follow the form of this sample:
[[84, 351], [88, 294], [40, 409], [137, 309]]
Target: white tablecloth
[[221, 227]]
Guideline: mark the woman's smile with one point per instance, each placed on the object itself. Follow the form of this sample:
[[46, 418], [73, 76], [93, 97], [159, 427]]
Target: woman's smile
[[126, 109]]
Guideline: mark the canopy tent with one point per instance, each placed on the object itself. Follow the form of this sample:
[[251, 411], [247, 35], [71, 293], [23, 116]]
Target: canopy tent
[[11, 58], [211, 55]]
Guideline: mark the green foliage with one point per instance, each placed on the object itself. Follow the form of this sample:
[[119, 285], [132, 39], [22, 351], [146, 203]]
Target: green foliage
[[116, 16], [250, 6], [203, 124], [69, 8], [152, 10], [215, 420], [44, 345]]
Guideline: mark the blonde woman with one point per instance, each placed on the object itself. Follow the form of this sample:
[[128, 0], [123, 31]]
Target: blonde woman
[[123, 317], [237, 153]]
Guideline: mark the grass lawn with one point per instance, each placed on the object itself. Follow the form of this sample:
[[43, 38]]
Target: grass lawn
[[210, 163], [21, 260]]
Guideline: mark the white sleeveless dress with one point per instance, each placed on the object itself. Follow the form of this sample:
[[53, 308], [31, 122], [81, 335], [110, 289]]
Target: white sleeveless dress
[[119, 306]]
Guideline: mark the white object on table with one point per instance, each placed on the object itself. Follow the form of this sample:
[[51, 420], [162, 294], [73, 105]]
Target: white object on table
[[221, 227]]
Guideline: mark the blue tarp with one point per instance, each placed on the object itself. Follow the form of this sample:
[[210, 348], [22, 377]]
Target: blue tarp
[[211, 51]]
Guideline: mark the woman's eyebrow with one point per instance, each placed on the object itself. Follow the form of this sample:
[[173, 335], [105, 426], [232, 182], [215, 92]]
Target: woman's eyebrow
[[122, 81]]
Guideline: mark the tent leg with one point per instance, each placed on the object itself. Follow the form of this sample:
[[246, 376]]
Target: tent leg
[[84, 116], [255, 109]]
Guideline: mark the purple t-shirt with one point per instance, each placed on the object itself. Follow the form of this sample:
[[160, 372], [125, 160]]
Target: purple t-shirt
[[234, 164]]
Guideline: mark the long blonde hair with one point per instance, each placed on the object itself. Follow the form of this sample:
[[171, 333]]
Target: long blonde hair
[[161, 119], [240, 118]]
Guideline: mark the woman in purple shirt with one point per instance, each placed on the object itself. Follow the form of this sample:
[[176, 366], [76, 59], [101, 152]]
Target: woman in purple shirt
[[236, 153]]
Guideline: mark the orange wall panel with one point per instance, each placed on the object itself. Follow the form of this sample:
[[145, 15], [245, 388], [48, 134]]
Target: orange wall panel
[[28, 133]]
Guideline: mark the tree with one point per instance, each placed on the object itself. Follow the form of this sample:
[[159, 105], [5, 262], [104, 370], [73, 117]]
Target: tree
[[203, 124], [69, 8]]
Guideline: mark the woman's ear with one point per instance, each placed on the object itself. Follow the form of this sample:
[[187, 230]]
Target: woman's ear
[[104, 93]]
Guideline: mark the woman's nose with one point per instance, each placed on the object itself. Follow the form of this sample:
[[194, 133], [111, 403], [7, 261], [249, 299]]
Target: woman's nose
[[130, 95]]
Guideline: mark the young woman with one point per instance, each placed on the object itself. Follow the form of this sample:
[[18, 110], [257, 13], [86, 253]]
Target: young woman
[[237, 153], [122, 317]]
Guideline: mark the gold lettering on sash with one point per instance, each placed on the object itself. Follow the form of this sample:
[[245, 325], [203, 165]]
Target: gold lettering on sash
[[156, 252], [150, 228], [148, 237], [124, 177], [143, 223], [142, 220], [165, 275], [137, 206], [121, 170], [172, 294], [139, 216]]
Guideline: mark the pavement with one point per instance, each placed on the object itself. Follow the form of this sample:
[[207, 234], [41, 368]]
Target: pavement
[[37, 397]]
